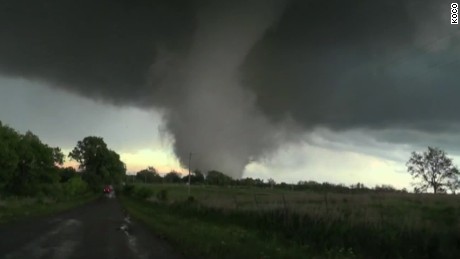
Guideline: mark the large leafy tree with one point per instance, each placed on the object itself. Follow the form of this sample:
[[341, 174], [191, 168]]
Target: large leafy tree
[[433, 169], [217, 178], [38, 158], [149, 175], [172, 177], [114, 167], [89, 153], [98, 163], [9, 158], [36, 164], [196, 177]]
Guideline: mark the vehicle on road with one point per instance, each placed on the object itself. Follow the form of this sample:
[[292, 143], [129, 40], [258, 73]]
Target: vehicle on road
[[108, 189]]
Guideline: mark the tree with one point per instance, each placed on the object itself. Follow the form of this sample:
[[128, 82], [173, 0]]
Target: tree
[[358, 186], [58, 156], [89, 153], [98, 163], [9, 159], [246, 182], [385, 188], [67, 173], [149, 175], [115, 168], [453, 184], [217, 178], [26, 164], [36, 164], [433, 169], [195, 177], [172, 177]]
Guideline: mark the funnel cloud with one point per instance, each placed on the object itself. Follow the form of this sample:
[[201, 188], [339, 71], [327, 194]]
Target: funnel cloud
[[237, 79]]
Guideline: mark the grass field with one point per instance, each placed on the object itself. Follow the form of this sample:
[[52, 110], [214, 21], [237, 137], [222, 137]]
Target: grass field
[[271, 223], [17, 208]]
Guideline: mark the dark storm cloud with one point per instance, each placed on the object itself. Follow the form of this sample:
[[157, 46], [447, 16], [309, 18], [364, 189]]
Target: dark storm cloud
[[346, 64], [101, 49], [337, 63], [229, 74]]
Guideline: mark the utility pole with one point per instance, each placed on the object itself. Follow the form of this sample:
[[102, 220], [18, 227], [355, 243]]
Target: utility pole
[[189, 160]]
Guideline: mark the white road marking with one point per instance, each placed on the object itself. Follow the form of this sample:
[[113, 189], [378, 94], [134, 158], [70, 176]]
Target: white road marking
[[132, 241]]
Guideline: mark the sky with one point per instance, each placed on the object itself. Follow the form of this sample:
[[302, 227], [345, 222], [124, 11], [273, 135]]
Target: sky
[[290, 90]]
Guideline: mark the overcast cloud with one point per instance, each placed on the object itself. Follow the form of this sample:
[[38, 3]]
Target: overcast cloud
[[61, 119]]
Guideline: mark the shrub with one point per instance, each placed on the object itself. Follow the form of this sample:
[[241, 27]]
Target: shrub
[[162, 195], [51, 190], [128, 189], [143, 193], [94, 181], [75, 186]]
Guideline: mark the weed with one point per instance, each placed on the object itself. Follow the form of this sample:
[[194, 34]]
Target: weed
[[162, 195], [143, 193], [296, 223]]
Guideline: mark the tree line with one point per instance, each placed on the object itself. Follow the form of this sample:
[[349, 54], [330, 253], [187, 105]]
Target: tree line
[[150, 175], [30, 167], [432, 169], [216, 178]]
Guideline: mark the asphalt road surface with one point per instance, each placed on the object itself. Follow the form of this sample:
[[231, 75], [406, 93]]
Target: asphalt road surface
[[97, 230]]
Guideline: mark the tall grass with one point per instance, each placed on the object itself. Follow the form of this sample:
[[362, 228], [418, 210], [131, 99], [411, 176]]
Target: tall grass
[[44, 199], [14, 208], [326, 224]]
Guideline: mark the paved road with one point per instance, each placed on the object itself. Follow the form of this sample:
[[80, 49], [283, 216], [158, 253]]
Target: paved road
[[97, 230]]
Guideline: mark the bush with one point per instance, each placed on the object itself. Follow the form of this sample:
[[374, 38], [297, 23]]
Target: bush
[[51, 190], [128, 189], [94, 181], [191, 199], [162, 195], [20, 187], [143, 193], [75, 186]]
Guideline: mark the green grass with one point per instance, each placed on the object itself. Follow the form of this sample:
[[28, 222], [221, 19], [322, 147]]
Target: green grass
[[236, 222], [17, 208], [201, 238]]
